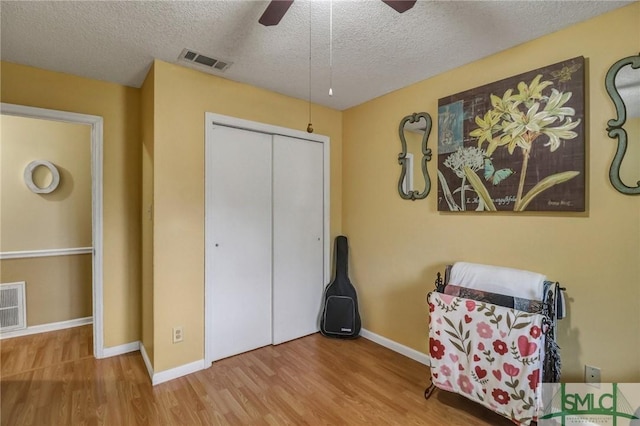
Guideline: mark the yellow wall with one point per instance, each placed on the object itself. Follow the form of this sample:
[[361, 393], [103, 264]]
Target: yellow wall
[[182, 96], [147, 113], [62, 218], [57, 288], [120, 108], [398, 246]]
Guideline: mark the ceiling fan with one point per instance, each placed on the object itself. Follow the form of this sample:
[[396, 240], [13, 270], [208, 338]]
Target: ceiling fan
[[277, 9]]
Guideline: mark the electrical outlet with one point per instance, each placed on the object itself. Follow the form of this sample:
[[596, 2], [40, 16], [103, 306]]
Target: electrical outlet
[[178, 334], [591, 374]]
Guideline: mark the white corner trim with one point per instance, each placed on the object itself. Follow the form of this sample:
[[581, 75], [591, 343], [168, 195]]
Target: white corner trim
[[147, 361], [96, 206], [396, 347], [43, 328], [121, 349], [45, 253], [174, 373]]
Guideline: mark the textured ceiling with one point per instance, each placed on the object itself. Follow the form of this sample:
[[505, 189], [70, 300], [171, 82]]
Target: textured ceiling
[[375, 49]]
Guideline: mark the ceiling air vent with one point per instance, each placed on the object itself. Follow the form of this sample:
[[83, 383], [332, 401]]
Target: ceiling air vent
[[203, 61]]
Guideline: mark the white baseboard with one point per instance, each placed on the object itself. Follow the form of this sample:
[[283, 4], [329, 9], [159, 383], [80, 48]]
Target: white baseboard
[[120, 349], [147, 361], [43, 328], [396, 347], [174, 373]]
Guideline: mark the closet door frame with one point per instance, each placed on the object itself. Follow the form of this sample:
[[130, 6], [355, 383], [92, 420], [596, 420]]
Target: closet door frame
[[223, 120]]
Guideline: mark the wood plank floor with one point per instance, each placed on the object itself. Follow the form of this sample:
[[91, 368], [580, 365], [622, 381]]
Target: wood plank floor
[[52, 379]]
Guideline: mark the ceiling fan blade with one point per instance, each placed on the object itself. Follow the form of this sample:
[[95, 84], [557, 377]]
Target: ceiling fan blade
[[274, 12], [400, 6]]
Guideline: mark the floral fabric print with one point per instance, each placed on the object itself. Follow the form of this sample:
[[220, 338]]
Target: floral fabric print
[[488, 353]]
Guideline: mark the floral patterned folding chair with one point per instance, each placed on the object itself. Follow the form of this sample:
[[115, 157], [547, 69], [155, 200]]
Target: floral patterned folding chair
[[492, 336]]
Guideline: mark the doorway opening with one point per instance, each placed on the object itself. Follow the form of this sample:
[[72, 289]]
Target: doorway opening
[[95, 125]]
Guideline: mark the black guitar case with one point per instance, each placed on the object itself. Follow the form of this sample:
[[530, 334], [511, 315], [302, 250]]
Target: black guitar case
[[340, 317]]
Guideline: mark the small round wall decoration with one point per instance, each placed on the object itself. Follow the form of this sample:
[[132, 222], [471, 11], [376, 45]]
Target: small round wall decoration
[[28, 177]]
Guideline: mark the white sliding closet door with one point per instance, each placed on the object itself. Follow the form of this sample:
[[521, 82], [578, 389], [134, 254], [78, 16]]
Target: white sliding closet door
[[298, 237], [239, 246]]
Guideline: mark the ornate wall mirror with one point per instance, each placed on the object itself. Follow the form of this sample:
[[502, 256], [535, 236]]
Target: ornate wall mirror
[[414, 183], [623, 85]]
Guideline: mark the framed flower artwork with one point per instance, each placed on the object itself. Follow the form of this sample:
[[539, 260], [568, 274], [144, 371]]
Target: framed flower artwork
[[516, 144]]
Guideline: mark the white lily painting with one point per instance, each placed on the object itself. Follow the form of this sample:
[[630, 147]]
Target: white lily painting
[[516, 144]]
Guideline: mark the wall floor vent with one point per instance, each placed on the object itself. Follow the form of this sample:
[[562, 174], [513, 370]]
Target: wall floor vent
[[202, 61], [13, 309]]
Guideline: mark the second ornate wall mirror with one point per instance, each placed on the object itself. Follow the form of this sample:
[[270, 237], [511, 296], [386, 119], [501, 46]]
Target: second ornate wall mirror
[[623, 85]]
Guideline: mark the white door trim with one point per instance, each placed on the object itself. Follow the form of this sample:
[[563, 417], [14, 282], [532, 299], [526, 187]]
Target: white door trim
[[96, 124], [239, 123]]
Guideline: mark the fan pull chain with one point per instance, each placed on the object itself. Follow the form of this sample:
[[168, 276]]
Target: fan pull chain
[[309, 126], [331, 48]]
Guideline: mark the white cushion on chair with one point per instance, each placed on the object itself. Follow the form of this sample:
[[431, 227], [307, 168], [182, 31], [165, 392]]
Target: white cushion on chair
[[498, 279]]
